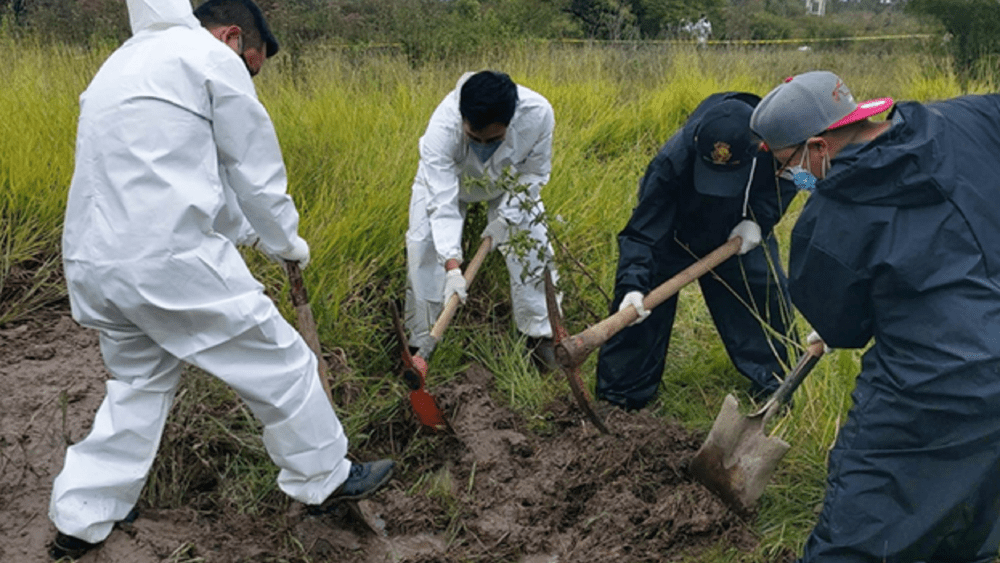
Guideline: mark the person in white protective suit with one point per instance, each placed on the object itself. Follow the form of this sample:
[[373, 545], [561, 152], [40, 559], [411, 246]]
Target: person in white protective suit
[[177, 162], [702, 30], [487, 125]]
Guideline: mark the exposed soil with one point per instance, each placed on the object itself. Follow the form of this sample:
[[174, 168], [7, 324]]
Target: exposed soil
[[493, 491]]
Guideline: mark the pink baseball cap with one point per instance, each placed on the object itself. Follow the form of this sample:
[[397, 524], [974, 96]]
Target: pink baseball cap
[[807, 104]]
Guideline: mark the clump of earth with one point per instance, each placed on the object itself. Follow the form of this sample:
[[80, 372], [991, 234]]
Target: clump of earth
[[493, 489]]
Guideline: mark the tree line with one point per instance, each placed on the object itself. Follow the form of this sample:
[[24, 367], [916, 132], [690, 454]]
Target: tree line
[[428, 29]]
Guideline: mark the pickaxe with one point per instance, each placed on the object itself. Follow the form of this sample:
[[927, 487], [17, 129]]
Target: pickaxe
[[571, 351]]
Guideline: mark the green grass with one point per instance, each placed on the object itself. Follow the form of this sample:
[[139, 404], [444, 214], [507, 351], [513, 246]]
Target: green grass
[[348, 123]]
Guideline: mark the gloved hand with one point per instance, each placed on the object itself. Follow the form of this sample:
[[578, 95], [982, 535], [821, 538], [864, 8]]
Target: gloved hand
[[498, 230], [454, 283], [634, 299], [298, 253], [749, 231], [814, 337]]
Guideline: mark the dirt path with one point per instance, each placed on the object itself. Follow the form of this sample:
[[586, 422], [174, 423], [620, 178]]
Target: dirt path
[[494, 491]]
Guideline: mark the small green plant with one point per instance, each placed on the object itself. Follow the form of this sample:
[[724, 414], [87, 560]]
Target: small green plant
[[520, 243], [533, 254]]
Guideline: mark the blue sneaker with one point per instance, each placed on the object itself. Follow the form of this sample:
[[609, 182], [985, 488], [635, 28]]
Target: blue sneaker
[[363, 480]]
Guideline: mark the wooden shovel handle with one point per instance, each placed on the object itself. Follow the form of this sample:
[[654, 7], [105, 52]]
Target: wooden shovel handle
[[306, 321], [573, 350], [444, 319]]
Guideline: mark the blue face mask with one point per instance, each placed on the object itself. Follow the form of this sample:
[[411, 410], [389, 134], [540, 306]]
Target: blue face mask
[[803, 179], [485, 150]]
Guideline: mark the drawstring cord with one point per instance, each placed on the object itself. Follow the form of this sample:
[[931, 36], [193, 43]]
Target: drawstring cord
[[746, 194]]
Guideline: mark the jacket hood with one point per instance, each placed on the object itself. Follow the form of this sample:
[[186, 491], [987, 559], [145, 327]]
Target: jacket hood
[[160, 14], [903, 167]]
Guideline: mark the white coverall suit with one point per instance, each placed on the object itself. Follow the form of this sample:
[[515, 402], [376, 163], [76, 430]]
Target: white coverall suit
[[440, 197], [176, 161]]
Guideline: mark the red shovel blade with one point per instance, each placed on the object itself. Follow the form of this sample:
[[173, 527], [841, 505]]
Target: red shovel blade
[[423, 403], [427, 410], [415, 374]]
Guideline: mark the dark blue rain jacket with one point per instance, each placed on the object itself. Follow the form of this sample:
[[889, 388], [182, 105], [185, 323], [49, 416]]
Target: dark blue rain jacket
[[671, 226], [670, 207], [900, 244]]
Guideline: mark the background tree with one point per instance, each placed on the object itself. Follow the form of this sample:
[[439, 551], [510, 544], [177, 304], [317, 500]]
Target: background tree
[[662, 18], [604, 19], [70, 21], [429, 30], [973, 27]]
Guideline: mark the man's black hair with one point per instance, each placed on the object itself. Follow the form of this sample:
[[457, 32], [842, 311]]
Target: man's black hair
[[488, 97], [243, 13]]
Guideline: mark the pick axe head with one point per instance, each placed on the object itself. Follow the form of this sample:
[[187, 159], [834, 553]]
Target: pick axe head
[[559, 333]]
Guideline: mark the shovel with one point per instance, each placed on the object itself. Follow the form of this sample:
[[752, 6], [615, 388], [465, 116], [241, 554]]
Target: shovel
[[573, 350], [307, 328], [306, 321], [423, 404], [448, 313], [415, 367], [737, 459]]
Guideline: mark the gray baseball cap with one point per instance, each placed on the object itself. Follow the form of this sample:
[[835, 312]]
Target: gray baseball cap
[[807, 104]]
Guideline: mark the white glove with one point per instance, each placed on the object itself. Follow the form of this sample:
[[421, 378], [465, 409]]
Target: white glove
[[814, 337], [454, 283], [749, 231], [634, 299], [298, 253], [499, 232]]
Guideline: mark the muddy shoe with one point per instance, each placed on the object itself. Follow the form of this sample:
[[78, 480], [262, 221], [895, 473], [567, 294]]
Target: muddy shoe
[[543, 354], [68, 548], [363, 480]]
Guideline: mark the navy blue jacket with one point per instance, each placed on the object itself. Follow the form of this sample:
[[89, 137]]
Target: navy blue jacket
[[901, 244], [669, 205]]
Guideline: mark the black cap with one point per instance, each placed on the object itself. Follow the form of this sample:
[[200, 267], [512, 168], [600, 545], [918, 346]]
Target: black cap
[[725, 149], [235, 12], [270, 42]]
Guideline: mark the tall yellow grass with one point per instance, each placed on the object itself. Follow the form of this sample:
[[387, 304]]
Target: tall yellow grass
[[349, 123]]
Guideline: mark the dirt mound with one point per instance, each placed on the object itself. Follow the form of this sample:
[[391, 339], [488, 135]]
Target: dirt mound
[[495, 490]]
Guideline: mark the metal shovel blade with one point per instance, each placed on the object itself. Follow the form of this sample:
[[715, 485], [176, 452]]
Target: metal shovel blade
[[738, 458]]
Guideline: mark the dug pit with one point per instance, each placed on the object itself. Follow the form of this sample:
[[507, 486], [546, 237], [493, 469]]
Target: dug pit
[[493, 491]]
